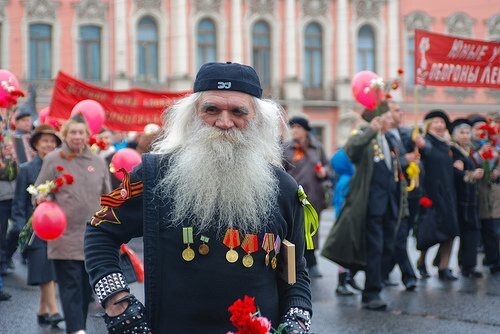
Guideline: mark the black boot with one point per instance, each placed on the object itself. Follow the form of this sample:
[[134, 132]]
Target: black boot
[[446, 275], [352, 282], [422, 269], [342, 289]]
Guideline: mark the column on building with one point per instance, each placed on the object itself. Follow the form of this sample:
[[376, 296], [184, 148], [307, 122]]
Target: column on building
[[292, 85], [393, 45], [343, 80], [121, 77], [180, 79], [236, 32]]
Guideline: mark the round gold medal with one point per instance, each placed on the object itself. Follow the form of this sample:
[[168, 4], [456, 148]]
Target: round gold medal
[[248, 260], [274, 262], [188, 254], [232, 256], [203, 249], [266, 259]]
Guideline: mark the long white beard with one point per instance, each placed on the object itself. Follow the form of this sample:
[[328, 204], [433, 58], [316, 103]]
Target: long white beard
[[221, 179]]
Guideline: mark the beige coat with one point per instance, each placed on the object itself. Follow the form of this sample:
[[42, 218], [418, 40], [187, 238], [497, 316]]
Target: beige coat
[[79, 201], [489, 200]]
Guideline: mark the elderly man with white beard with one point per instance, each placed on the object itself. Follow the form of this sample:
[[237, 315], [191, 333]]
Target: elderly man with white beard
[[213, 205]]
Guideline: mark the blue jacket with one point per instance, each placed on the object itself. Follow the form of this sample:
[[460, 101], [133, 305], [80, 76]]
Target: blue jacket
[[345, 170], [22, 206]]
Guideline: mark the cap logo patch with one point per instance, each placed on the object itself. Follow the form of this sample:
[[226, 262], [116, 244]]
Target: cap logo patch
[[224, 85]]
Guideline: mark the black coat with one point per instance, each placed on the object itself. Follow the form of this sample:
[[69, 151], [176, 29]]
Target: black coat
[[439, 222], [466, 188]]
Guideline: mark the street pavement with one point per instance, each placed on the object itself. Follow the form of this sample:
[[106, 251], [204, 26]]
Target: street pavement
[[466, 306]]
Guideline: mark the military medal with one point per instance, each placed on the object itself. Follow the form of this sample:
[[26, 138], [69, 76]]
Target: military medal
[[187, 237], [277, 246], [377, 152], [268, 245], [204, 249], [250, 245], [232, 240]]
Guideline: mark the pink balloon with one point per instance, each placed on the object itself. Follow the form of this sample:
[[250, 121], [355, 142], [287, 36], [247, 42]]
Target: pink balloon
[[49, 221], [368, 96], [9, 89], [126, 158], [42, 114], [93, 113]]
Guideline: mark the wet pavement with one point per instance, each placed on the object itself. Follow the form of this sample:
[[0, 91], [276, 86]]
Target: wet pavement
[[466, 306]]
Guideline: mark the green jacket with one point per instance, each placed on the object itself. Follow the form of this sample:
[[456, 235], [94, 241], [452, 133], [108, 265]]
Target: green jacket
[[346, 242]]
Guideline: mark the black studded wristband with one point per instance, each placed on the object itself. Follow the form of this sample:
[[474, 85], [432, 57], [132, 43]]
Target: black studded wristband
[[110, 285], [293, 319]]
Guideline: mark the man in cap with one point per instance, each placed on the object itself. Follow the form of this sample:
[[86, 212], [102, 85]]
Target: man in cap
[[363, 236], [305, 160], [213, 205]]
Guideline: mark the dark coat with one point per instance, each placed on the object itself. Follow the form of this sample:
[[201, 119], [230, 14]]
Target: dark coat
[[466, 189], [438, 223]]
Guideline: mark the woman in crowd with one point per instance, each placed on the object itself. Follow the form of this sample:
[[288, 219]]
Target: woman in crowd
[[79, 202], [438, 223], [466, 176], [41, 270]]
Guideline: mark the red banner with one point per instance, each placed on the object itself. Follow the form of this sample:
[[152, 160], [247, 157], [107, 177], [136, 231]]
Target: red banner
[[128, 110], [442, 60]]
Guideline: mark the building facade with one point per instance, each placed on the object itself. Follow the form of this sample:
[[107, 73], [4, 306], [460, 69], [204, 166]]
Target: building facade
[[305, 51]]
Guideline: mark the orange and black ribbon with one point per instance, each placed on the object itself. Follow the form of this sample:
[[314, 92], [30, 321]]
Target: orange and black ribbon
[[118, 196]]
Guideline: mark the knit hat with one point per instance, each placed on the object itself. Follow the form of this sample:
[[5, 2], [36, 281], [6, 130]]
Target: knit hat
[[460, 122], [43, 129], [473, 119], [228, 76], [21, 113], [300, 121], [438, 113]]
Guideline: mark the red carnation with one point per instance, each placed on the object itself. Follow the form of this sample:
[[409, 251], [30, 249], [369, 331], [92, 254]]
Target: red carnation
[[487, 154], [92, 140], [59, 168], [1, 137], [425, 202], [101, 144], [400, 71], [68, 178], [241, 311], [388, 96]]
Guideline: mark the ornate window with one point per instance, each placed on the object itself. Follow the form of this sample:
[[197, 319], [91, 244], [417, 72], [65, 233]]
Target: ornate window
[[90, 53], [366, 49], [40, 51], [147, 50], [313, 66], [261, 52], [207, 42]]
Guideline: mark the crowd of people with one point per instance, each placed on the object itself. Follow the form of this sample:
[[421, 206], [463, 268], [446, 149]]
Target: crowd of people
[[218, 204]]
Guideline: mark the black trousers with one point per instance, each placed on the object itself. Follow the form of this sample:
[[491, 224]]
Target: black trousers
[[400, 254], [490, 241], [467, 253], [5, 212], [379, 249], [74, 292]]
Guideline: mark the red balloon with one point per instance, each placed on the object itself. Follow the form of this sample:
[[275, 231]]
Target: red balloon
[[42, 114], [93, 113], [126, 158], [368, 96], [49, 221], [9, 89]]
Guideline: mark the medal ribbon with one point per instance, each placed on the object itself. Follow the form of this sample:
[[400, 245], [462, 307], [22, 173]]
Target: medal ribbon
[[187, 235], [232, 238], [277, 244], [268, 242], [250, 244], [204, 238]]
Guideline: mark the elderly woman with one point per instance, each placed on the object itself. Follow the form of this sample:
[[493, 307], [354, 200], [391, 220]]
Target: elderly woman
[[78, 201], [41, 270], [466, 176], [438, 223]]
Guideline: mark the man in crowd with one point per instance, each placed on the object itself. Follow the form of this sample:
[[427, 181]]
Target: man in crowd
[[363, 236], [305, 160], [401, 138], [213, 205]]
